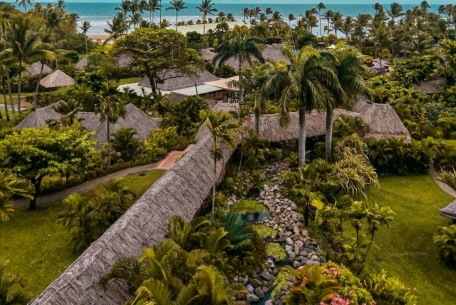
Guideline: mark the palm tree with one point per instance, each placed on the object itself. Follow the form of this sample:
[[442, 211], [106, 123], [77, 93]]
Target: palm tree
[[125, 143], [308, 81], [377, 216], [223, 128], [320, 6], [85, 26], [245, 13], [206, 7], [395, 12], [24, 3], [117, 27], [348, 26], [291, 17], [6, 60], [152, 6], [350, 71], [110, 110], [25, 44], [60, 4], [242, 115], [243, 48], [124, 7], [177, 5], [11, 185]]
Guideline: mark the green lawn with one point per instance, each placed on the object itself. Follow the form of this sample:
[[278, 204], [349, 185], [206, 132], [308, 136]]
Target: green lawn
[[38, 247], [406, 250], [130, 80]]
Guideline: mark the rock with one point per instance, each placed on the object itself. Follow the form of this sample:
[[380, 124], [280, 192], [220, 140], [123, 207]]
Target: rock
[[259, 292], [254, 282], [250, 288], [296, 237], [296, 264], [289, 240], [311, 262], [314, 258], [265, 289], [276, 259], [268, 302], [291, 255], [266, 276], [251, 298], [241, 303]]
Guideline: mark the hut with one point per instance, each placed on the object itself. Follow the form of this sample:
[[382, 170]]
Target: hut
[[274, 52], [431, 86], [35, 69], [208, 54], [38, 118], [57, 79], [180, 191], [382, 119], [125, 61], [450, 211], [82, 63], [173, 80]]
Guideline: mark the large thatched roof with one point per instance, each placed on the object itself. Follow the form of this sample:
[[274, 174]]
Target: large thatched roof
[[382, 119], [175, 81], [82, 63], [431, 86], [35, 69], [271, 130], [181, 191], [224, 83], [135, 118], [208, 54], [57, 79]]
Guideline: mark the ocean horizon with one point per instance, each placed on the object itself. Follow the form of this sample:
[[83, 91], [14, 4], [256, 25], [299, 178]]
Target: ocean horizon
[[100, 12]]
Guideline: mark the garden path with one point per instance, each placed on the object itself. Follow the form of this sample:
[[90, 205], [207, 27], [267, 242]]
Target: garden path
[[448, 189], [87, 185]]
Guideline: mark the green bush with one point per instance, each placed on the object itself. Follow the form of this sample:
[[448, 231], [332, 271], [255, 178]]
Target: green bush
[[246, 206], [161, 141], [445, 239], [449, 177], [273, 249], [264, 231]]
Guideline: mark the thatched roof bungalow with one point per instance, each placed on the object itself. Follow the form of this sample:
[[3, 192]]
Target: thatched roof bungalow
[[175, 81], [35, 69], [181, 191], [382, 119], [135, 118], [82, 63], [431, 86], [57, 79]]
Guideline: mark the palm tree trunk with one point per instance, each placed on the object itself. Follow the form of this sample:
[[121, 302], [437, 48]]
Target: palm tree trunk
[[242, 151], [109, 144], [370, 244], [19, 82], [150, 16], [302, 137], [10, 95], [215, 175], [4, 98], [319, 15], [87, 48], [241, 95], [257, 120], [176, 20], [329, 132], [38, 85]]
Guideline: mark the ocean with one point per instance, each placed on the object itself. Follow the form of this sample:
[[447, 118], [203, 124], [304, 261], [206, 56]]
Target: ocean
[[99, 13]]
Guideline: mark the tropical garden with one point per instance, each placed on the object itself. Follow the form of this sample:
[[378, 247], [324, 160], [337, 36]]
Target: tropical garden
[[362, 212]]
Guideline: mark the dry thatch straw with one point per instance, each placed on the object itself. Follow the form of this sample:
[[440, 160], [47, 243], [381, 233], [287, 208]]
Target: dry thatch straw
[[57, 79], [274, 52], [181, 191], [207, 54], [382, 119], [224, 83], [38, 118], [82, 63], [175, 81], [431, 86], [35, 69]]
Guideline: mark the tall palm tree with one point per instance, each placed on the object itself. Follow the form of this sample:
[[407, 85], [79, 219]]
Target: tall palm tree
[[60, 4], [6, 60], [24, 3], [152, 6], [85, 26], [350, 71], [110, 110], [395, 12], [245, 13], [320, 6], [242, 114], [348, 26], [117, 27], [240, 46], [223, 128], [291, 17], [309, 80], [328, 15], [206, 7], [25, 45], [11, 185], [177, 5]]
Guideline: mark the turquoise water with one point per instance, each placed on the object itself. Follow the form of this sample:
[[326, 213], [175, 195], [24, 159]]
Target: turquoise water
[[98, 13]]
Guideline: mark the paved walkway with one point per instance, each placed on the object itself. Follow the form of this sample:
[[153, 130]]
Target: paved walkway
[[171, 158], [87, 185], [448, 189]]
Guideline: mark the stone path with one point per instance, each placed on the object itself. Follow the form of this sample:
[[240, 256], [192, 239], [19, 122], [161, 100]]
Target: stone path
[[445, 187], [87, 185]]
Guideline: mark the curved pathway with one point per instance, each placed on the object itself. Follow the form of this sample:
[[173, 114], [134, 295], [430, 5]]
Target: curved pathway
[[445, 187], [87, 185]]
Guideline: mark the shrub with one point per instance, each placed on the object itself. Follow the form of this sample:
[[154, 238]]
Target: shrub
[[239, 183], [161, 141], [11, 286], [224, 71], [264, 231], [445, 239], [246, 206], [449, 177], [273, 249]]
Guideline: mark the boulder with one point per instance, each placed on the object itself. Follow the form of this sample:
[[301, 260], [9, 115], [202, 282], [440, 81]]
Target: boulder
[[259, 292]]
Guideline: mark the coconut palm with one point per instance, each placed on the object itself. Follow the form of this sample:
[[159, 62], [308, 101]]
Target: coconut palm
[[206, 7], [6, 60], [348, 26], [395, 12], [110, 110], [177, 5], [85, 26], [328, 15], [320, 6], [25, 45], [24, 3], [117, 27], [308, 82], [152, 6], [125, 143], [350, 71], [239, 46], [242, 114], [10, 185], [291, 17], [223, 128]]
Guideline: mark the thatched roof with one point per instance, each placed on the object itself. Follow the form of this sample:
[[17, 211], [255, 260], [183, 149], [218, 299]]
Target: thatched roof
[[35, 69], [176, 97], [431, 86], [175, 81], [135, 118], [382, 119], [181, 191], [274, 52], [223, 83], [57, 79], [227, 107], [208, 54], [125, 61], [271, 130], [82, 63], [449, 210]]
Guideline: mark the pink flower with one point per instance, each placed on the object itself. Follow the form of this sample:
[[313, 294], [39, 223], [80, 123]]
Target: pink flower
[[300, 268]]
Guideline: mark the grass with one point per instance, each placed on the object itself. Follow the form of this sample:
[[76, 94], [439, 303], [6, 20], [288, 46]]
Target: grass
[[130, 80], [407, 250], [38, 247]]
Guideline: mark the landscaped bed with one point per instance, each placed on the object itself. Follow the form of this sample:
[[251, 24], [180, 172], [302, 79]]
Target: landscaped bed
[[407, 250], [38, 247]]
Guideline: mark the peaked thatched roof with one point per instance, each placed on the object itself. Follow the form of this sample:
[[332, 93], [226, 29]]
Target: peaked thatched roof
[[271, 130], [274, 52], [449, 210], [431, 86], [223, 83], [57, 79], [207, 54], [181, 191], [175, 81], [82, 63], [227, 107], [35, 69], [125, 61], [382, 119], [135, 118]]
